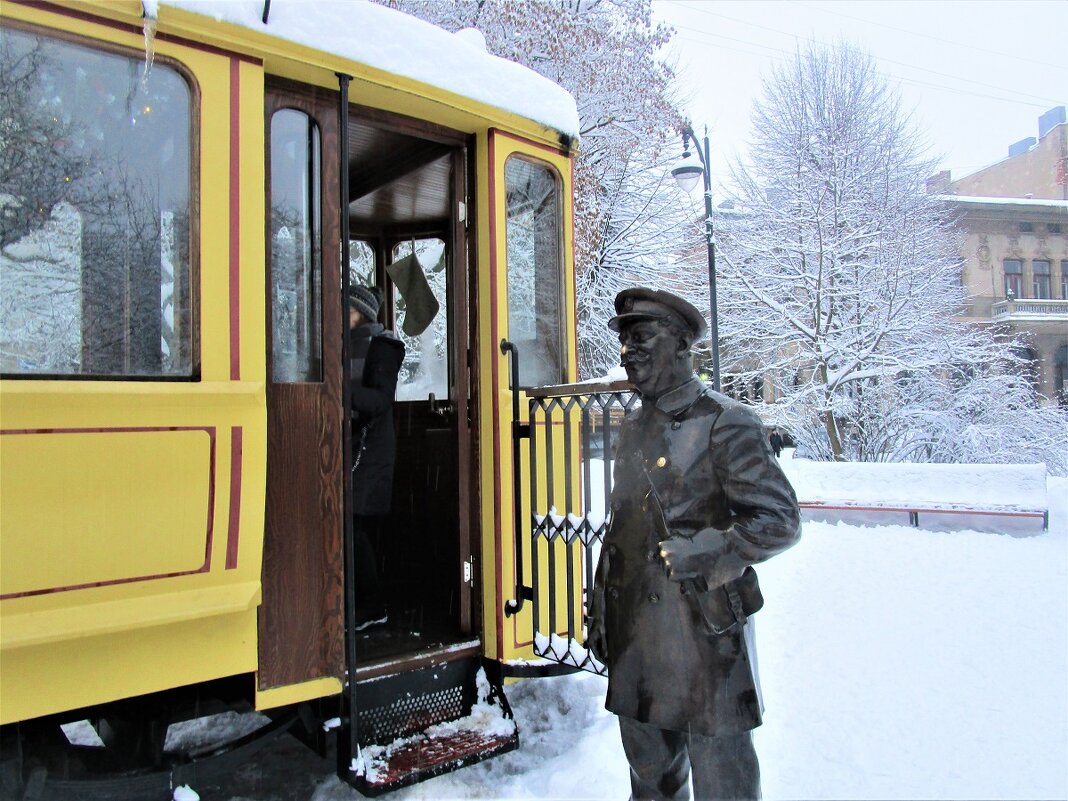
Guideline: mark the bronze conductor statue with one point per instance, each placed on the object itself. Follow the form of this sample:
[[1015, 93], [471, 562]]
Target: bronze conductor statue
[[698, 498]]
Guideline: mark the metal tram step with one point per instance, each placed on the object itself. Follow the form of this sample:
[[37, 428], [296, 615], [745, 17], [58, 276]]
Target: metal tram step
[[426, 722]]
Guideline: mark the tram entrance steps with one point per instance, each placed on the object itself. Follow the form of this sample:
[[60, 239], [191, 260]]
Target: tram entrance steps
[[423, 723]]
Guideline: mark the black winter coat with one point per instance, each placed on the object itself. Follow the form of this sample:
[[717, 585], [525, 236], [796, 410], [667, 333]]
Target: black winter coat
[[675, 657], [372, 391]]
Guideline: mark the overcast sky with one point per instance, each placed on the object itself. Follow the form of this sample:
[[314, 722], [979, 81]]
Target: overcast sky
[[976, 74]]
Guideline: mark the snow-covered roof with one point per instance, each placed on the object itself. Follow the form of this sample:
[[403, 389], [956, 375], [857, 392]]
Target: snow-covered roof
[[1003, 201], [386, 39]]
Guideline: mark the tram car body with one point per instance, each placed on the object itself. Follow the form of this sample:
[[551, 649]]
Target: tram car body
[[197, 185]]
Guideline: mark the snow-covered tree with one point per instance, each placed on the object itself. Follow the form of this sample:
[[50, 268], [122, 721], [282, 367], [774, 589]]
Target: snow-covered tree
[[606, 53], [982, 414], [648, 236], [841, 279], [38, 166]]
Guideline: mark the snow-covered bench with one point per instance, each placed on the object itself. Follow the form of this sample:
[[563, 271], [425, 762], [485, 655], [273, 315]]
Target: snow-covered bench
[[946, 495]]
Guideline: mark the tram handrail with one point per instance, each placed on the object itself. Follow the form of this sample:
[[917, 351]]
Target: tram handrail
[[514, 605]]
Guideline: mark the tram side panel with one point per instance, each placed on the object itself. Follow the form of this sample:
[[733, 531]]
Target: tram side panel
[[133, 465]]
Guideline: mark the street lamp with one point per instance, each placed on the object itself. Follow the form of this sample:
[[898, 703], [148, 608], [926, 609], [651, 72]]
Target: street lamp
[[686, 173]]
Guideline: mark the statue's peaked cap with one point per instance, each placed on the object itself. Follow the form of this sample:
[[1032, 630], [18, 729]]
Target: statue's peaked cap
[[642, 303]]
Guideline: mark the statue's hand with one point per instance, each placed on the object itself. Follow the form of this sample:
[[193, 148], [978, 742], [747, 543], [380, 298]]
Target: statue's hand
[[682, 559], [708, 553]]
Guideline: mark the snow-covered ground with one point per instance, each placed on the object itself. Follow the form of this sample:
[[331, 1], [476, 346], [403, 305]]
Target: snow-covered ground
[[896, 663]]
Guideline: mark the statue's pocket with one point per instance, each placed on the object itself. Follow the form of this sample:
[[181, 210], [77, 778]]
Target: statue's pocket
[[729, 605]]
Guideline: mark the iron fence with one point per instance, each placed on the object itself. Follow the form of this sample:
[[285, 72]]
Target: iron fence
[[571, 433]]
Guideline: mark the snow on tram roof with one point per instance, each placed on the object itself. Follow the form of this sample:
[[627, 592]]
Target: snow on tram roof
[[389, 40]]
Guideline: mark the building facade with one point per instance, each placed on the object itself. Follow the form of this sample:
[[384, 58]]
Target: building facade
[[1014, 215], [1034, 168]]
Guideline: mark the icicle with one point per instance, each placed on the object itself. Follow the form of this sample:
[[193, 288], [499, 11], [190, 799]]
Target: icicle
[[150, 10]]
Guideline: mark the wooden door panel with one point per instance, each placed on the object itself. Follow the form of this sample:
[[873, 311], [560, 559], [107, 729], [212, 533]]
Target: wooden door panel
[[301, 622]]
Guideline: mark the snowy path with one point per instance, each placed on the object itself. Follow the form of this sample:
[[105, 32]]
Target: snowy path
[[896, 664]]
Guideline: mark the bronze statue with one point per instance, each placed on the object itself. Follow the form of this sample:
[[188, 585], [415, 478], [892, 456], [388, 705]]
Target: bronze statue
[[698, 498]]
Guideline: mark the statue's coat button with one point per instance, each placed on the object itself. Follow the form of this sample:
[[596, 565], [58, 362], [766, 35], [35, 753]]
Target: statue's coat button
[[661, 462], [653, 598]]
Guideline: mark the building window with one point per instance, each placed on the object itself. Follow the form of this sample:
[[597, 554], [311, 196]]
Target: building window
[[1064, 279], [758, 390], [535, 271], [296, 264], [1053, 228], [1013, 278], [1026, 228], [96, 276], [1060, 375], [1040, 279], [729, 386], [1029, 369]]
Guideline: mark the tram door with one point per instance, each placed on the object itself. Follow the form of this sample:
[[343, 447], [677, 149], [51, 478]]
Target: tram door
[[301, 624], [407, 184]]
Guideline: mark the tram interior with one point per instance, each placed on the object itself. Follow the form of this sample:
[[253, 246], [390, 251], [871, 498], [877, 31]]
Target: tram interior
[[402, 190]]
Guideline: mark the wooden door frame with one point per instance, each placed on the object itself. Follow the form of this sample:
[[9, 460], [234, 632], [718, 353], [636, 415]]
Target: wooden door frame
[[461, 384], [463, 378]]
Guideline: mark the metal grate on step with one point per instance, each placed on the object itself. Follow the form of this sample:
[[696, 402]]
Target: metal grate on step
[[411, 713], [422, 723]]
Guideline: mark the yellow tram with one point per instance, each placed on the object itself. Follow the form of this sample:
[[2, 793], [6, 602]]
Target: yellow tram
[[192, 181]]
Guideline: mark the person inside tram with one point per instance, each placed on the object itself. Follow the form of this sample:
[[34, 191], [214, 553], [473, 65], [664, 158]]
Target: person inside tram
[[375, 357]]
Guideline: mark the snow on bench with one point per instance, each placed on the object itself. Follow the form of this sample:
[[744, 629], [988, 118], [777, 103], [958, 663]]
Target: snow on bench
[[964, 490]]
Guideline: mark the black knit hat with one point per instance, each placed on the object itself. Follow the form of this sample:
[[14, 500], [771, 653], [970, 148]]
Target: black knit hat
[[367, 300]]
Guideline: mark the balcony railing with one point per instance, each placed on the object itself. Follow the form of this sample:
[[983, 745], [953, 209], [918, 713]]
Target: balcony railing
[[1035, 310]]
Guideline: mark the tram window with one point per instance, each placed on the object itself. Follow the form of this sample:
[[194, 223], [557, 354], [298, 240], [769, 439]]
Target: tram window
[[296, 265], [426, 357], [95, 177], [363, 270], [535, 271]]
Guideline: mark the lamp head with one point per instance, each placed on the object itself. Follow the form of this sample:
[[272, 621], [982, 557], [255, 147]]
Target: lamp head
[[688, 171]]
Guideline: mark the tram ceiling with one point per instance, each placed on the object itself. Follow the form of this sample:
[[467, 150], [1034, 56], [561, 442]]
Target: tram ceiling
[[396, 179]]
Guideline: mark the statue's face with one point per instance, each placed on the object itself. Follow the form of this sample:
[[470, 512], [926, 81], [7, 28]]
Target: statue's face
[[649, 352]]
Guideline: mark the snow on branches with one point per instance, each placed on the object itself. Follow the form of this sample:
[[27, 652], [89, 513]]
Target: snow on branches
[[841, 279], [631, 223]]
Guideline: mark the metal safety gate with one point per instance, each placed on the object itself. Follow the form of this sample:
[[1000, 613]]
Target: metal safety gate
[[563, 480]]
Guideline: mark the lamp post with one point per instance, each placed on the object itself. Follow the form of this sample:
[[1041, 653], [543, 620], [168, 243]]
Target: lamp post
[[686, 173]]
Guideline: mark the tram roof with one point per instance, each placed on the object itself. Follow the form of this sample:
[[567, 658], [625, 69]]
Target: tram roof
[[392, 41]]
